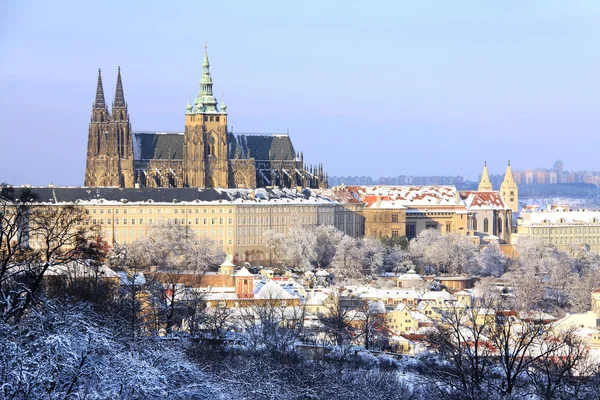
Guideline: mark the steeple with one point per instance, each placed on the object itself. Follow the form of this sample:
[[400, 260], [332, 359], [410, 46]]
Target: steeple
[[508, 180], [485, 185], [509, 189], [99, 103], [206, 102], [119, 96]]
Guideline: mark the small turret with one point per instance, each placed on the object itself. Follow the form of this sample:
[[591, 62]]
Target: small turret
[[223, 105], [188, 108]]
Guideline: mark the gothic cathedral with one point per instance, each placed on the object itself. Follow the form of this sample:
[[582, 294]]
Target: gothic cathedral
[[205, 155]]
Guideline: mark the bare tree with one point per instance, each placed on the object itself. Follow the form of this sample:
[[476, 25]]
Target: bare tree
[[217, 318], [272, 323], [523, 345], [462, 339], [562, 367], [337, 321], [32, 240], [371, 320]]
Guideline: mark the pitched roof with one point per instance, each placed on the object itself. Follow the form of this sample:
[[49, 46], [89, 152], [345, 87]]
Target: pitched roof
[[150, 145], [157, 145], [243, 272], [108, 195], [484, 200], [407, 196], [266, 147], [272, 291]]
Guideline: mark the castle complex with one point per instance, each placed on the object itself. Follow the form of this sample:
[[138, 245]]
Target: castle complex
[[205, 155]]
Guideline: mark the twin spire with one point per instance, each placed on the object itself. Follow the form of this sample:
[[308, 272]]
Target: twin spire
[[485, 184], [119, 95]]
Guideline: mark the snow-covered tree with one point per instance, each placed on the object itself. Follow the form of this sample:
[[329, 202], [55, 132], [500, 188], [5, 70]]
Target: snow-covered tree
[[450, 253], [33, 240], [327, 238], [492, 260], [347, 262]]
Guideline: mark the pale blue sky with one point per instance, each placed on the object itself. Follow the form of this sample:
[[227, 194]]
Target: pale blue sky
[[367, 88]]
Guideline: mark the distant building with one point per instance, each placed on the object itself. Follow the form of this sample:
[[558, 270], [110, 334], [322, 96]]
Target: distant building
[[562, 229]]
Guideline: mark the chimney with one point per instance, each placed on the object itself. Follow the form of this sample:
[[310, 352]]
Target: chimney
[[378, 201]]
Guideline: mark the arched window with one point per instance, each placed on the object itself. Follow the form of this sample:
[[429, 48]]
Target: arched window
[[486, 225], [499, 225]]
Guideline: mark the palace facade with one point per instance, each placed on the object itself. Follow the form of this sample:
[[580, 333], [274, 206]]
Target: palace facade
[[205, 155], [234, 218]]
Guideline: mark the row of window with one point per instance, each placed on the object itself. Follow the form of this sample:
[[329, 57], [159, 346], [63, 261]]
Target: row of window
[[159, 210], [562, 231]]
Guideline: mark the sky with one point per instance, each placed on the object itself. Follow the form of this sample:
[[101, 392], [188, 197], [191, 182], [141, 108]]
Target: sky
[[367, 88]]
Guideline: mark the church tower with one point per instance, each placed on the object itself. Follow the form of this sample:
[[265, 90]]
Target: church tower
[[120, 128], [102, 163], [485, 185], [205, 154], [110, 148], [509, 190]]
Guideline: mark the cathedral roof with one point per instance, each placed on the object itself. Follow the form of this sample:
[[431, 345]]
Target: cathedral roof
[[266, 147], [158, 146], [169, 145]]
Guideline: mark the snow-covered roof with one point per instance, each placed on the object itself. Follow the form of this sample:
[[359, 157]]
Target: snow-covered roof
[[169, 196], [434, 296], [407, 196], [316, 298], [243, 272], [227, 263], [483, 200], [374, 293], [410, 275], [560, 218], [271, 291], [79, 270]]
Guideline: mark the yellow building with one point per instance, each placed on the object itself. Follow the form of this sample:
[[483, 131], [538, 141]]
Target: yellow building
[[401, 319], [408, 210], [349, 211], [234, 218], [562, 229]]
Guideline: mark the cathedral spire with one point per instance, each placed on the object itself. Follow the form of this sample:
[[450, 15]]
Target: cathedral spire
[[485, 185], [206, 102], [99, 103], [119, 96]]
